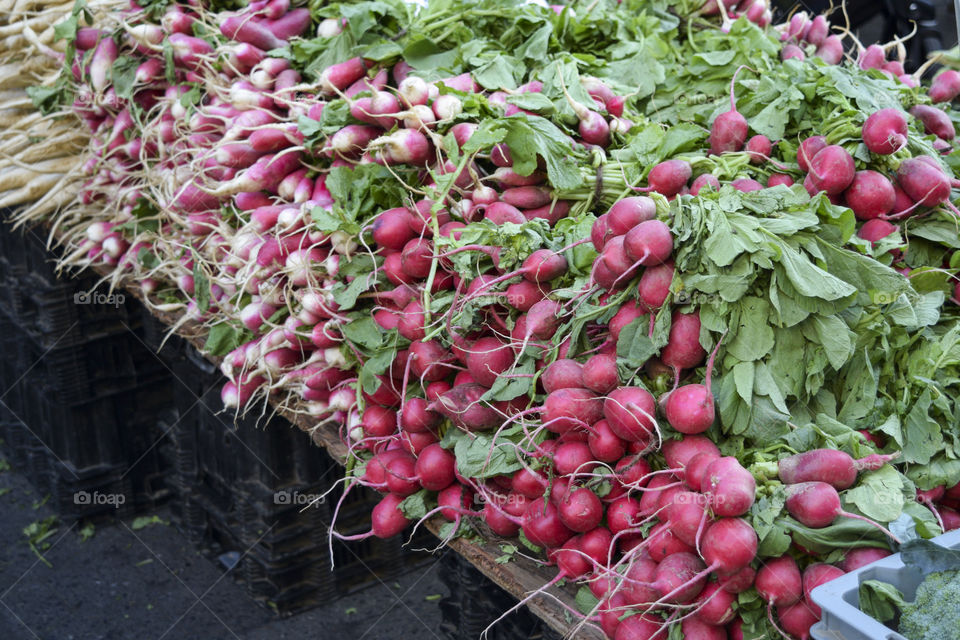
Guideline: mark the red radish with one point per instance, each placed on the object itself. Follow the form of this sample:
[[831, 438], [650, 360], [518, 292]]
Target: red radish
[[946, 86], [702, 181], [836, 468], [924, 182], [862, 556], [759, 149], [876, 230], [729, 488], [729, 129], [870, 195], [695, 628], [562, 374], [814, 576], [580, 510], [405, 146], [817, 505], [487, 359], [679, 578], [779, 583], [463, 406], [746, 185], [392, 230], [623, 514], [831, 50], [873, 57], [639, 627], [818, 31], [455, 498], [715, 605], [542, 524], [573, 456], [934, 121], [417, 418], [809, 148], [679, 453], [435, 467], [683, 349], [738, 581], [669, 177], [604, 444], [565, 409], [796, 619], [690, 409], [779, 178], [649, 243], [502, 213], [630, 413], [401, 475], [600, 374], [627, 313], [627, 213], [654, 287], [686, 515], [832, 169], [729, 544], [885, 131]]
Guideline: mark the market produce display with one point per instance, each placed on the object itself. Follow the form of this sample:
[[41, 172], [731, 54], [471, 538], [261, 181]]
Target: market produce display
[[661, 289]]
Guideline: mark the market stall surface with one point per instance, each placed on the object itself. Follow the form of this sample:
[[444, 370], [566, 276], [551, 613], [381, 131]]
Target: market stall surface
[[139, 578]]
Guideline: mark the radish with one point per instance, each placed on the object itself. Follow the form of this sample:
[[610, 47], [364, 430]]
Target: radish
[[746, 185], [580, 510], [416, 417], [690, 409], [759, 149], [435, 468], [833, 467], [885, 131], [796, 619], [924, 182], [946, 86], [702, 181], [815, 575], [687, 515], [669, 177], [542, 524], [817, 505], [779, 178], [729, 129], [935, 121], [729, 488], [779, 583], [565, 409], [715, 605], [600, 374], [695, 628], [876, 230], [627, 213], [487, 359], [870, 195], [679, 453], [387, 519], [809, 148], [862, 556], [571, 457], [831, 50], [649, 243], [463, 406], [630, 413], [604, 444], [654, 287], [832, 169], [683, 349]]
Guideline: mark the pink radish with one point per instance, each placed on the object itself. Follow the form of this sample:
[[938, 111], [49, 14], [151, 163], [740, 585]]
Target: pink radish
[[946, 86], [885, 131], [729, 129], [831, 466], [817, 505]]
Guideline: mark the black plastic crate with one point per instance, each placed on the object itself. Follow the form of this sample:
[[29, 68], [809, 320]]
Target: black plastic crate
[[245, 488], [475, 601]]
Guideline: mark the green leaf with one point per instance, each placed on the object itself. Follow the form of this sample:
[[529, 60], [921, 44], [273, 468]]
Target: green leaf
[[880, 600], [223, 338], [879, 494], [634, 348]]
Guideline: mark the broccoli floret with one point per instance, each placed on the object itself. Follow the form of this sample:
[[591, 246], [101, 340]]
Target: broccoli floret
[[935, 612]]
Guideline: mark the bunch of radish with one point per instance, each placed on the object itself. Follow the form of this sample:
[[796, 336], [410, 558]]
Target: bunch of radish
[[214, 180]]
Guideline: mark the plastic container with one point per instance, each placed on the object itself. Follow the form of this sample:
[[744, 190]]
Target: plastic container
[[840, 599], [245, 489]]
